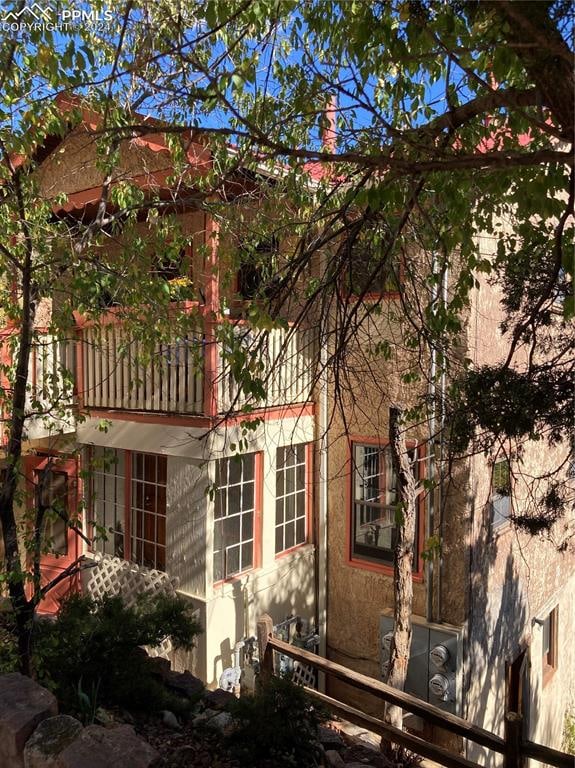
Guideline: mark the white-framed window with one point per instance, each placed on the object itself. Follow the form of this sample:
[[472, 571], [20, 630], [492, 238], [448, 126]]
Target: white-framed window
[[128, 499], [234, 516], [291, 497], [500, 499]]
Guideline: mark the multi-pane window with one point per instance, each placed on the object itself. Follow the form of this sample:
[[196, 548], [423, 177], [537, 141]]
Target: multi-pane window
[[148, 523], [235, 506], [108, 500], [290, 497], [129, 495], [500, 493], [374, 504], [52, 501]]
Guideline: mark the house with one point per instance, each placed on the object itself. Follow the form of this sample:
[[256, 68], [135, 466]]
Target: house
[[300, 521], [149, 445], [493, 613]]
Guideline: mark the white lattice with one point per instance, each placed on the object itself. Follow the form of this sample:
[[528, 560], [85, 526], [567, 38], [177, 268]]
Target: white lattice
[[113, 576], [303, 674]]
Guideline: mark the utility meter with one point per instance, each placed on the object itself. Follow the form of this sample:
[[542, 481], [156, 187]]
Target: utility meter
[[442, 687], [439, 656]]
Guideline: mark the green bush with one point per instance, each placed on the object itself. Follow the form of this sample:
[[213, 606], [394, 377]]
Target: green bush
[[8, 644], [91, 651], [277, 726]]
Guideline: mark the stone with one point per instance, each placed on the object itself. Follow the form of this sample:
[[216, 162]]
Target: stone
[[184, 683], [222, 722], [333, 759], [159, 666], [23, 706], [328, 738], [169, 719], [98, 747], [218, 699], [49, 739]]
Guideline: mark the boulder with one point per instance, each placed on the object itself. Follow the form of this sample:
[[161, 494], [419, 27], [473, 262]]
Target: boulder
[[329, 739], [23, 706], [184, 683], [333, 759], [218, 699], [50, 738], [98, 747]]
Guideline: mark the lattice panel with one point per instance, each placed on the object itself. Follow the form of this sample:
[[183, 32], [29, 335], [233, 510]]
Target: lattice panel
[[113, 576], [303, 675]]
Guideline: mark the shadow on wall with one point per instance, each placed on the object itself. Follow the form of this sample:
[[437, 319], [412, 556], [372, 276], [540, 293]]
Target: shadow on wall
[[498, 632], [284, 591]]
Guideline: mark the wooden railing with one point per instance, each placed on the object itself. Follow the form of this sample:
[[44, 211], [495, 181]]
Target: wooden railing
[[287, 377], [118, 373], [513, 747]]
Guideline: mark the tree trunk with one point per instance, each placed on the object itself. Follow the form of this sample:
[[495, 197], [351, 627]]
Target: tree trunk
[[22, 607], [402, 566]]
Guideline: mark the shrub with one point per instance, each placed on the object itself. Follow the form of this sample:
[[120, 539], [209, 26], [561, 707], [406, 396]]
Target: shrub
[[277, 726], [93, 648]]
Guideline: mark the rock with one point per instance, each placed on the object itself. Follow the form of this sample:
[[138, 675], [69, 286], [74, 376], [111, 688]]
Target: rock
[[329, 739], [169, 719], [23, 705], [50, 738], [222, 722], [98, 747], [218, 699], [184, 683], [333, 759], [159, 666]]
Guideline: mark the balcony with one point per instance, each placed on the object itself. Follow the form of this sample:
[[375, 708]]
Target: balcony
[[182, 377]]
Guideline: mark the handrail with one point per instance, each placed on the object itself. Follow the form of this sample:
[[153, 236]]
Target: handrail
[[432, 714], [514, 748]]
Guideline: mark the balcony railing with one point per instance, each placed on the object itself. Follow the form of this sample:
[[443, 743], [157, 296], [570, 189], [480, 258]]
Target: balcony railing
[[117, 373], [286, 375]]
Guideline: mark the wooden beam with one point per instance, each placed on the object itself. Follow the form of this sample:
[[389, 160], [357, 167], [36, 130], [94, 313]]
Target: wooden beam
[[547, 755], [431, 714], [407, 740]]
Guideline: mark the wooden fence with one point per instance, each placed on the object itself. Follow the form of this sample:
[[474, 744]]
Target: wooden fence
[[513, 747]]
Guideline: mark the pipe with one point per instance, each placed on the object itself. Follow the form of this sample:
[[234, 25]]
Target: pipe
[[430, 517]]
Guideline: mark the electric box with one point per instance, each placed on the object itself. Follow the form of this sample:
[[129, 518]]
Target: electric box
[[435, 662]]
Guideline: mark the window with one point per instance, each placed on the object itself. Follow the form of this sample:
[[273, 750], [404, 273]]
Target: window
[[374, 499], [290, 497], [235, 507], [366, 256], [500, 499], [128, 494], [257, 269], [52, 501], [549, 644]]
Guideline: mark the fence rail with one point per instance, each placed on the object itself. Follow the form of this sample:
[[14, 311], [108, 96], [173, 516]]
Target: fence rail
[[513, 747]]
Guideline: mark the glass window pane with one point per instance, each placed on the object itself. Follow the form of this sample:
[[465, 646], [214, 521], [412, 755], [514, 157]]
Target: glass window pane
[[234, 471], [247, 555], [300, 531], [279, 538], [232, 560], [289, 535], [247, 525], [248, 467], [248, 496], [231, 530], [290, 507], [279, 511]]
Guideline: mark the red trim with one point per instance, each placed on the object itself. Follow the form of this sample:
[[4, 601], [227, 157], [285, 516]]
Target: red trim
[[308, 505], [204, 422], [211, 357], [258, 510], [127, 505], [368, 565]]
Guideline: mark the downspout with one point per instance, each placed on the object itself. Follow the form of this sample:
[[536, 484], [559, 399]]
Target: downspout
[[430, 507], [321, 543], [445, 278]]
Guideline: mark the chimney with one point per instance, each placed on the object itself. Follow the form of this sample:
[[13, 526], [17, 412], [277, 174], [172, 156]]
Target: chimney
[[329, 126]]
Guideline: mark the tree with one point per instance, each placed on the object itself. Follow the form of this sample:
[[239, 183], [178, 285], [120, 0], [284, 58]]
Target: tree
[[452, 120]]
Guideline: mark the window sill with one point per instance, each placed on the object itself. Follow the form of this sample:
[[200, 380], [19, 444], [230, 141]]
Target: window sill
[[381, 568], [291, 550]]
